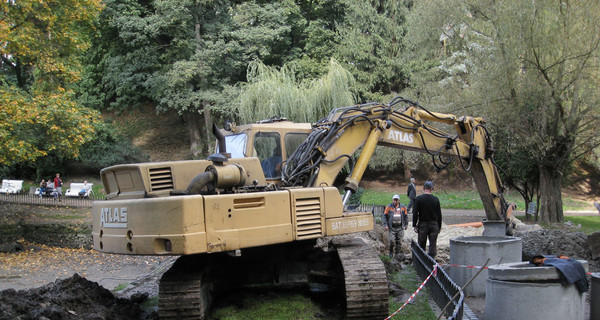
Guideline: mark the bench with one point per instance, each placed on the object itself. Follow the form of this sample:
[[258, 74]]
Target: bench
[[76, 187], [11, 186]]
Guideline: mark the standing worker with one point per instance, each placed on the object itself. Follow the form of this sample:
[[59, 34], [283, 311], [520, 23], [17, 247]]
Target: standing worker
[[411, 193], [427, 218], [395, 222]]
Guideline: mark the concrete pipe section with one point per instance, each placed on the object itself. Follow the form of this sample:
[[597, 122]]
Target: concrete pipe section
[[521, 290], [494, 228], [466, 252], [595, 297]]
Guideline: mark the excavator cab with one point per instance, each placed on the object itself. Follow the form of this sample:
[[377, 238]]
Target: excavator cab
[[271, 141]]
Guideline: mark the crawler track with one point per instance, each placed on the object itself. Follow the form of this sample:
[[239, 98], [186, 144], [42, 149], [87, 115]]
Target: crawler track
[[182, 292], [365, 280]]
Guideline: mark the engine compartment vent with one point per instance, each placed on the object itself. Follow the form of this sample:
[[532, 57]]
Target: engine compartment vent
[[308, 218], [161, 179]]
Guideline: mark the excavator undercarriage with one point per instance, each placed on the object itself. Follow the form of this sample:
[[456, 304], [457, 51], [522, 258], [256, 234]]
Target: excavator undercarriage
[[347, 266]]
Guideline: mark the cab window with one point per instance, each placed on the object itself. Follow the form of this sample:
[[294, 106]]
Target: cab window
[[267, 146], [235, 144], [292, 141]]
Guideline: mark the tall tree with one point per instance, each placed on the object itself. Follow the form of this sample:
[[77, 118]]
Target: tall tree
[[531, 67], [372, 46], [41, 43], [272, 92]]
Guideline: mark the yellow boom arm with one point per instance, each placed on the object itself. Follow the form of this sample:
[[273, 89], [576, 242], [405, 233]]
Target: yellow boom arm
[[336, 138]]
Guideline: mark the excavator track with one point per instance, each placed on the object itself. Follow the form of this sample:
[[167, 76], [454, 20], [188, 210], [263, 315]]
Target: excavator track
[[182, 292], [366, 287]]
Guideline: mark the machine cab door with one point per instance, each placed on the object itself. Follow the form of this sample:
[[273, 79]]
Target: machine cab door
[[267, 148]]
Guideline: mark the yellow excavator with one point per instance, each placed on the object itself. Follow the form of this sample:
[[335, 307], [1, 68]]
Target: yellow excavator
[[264, 209]]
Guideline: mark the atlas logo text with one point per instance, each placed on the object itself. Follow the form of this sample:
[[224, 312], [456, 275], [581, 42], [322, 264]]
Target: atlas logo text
[[400, 136], [114, 217]]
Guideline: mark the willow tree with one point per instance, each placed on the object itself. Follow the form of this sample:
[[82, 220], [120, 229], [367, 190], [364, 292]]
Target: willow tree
[[530, 67], [272, 92]]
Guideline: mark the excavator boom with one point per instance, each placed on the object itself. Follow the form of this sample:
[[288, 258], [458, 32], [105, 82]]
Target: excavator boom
[[335, 140]]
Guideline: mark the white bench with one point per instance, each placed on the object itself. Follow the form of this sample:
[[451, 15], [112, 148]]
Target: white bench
[[11, 186], [76, 187]]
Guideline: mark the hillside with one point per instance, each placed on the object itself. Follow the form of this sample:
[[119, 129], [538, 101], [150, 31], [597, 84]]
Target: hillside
[[162, 136]]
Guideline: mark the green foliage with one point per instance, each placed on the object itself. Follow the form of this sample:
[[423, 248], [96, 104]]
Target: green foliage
[[371, 44], [41, 42], [120, 287], [271, 92], [41, 124], [108, 148], [529, 67], [182, 53], [382, 198], [419, 308], [282, 306]]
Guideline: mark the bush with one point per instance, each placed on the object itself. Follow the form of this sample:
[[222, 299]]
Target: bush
[[107, 149]]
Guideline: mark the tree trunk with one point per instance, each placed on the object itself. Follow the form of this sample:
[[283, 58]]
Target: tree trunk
[[209, 138], [193, 123], [407, 174], [550, 196]]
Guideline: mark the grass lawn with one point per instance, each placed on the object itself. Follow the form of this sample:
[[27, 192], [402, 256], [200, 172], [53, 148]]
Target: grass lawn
[[464, 199]]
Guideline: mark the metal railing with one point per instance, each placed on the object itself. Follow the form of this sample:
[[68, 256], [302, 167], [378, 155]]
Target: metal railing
[[376, 209], [64, 201], [441, 287]]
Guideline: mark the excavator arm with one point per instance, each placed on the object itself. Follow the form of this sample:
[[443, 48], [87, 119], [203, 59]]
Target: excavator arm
[[335, 140]]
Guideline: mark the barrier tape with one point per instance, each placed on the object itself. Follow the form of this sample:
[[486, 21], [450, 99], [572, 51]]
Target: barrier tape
[[433, 273], [479, 267]]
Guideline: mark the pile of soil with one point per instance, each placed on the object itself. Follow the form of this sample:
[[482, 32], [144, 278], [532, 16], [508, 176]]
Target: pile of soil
[[71, 298]]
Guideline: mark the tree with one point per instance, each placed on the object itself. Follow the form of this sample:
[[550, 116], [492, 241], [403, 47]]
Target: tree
[[371, 46], [276, 93], [530, 67], [190, 55], [41, 43], [187, 55]]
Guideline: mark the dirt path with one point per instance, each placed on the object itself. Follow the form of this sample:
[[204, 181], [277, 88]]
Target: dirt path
[[40, 264], [25, 265]]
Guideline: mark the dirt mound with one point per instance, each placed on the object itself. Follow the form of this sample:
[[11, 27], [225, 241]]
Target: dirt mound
[[71, 298], [554, 242]]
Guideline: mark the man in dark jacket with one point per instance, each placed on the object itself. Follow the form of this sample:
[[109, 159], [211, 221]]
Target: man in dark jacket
[[411, 193], [427, 218], [395, 222]]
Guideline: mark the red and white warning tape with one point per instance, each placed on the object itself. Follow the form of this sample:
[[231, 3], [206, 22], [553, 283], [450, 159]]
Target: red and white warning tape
[[433, 273]]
